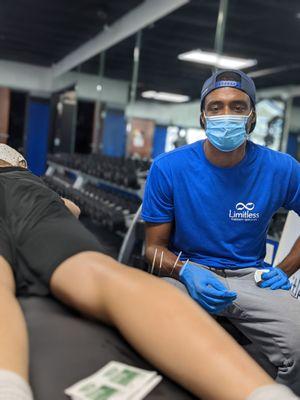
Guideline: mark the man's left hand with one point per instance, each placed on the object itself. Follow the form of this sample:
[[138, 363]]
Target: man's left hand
[[275, 279]]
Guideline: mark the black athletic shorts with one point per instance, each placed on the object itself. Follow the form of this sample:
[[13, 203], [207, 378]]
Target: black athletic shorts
[[37, 231]]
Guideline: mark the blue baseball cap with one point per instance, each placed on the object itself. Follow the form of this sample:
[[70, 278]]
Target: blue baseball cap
[[243, 83]]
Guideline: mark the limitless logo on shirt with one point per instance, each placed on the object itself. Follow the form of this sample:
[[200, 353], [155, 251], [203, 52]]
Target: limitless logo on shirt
[[243, 212]]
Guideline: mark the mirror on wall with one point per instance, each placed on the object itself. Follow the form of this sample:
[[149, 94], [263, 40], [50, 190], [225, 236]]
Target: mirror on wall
[[293, 147], [270, 123]]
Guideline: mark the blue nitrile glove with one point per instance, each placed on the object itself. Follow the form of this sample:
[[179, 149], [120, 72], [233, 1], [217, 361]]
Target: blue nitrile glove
[[275, 279], [205, 288]]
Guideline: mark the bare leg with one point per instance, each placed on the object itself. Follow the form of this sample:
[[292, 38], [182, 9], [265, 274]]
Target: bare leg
[[13, 332], [164, 325]]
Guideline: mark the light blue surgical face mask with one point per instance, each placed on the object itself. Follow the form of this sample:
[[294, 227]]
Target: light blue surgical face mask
[[227, 132]]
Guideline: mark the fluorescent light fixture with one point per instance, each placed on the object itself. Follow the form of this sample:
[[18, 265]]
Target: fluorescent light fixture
[[164, 96], [220, 61]]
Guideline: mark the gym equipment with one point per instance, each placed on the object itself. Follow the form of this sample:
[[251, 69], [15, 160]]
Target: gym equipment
[[130, 239], [103, 205], [125, 172], [107, 189]]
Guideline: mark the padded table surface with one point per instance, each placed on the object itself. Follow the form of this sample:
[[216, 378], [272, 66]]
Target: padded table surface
[[65, 348]]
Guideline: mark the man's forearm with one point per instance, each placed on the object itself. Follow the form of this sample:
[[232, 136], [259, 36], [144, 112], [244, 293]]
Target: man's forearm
[[291, 263], [164, 261]]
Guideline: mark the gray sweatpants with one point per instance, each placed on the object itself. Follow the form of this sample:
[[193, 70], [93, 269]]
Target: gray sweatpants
[[269, 318]]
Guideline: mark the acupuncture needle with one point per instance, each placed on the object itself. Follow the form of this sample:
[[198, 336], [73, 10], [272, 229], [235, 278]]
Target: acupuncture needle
[[153, 262], [177, 259], [160, 263]]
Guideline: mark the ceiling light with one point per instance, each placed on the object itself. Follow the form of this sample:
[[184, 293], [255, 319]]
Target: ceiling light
[[99, 87], [164, 96], [220, 61]]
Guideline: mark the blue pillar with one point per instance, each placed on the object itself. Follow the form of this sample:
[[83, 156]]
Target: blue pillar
[[37, 127], [114, 134], [159, 140]]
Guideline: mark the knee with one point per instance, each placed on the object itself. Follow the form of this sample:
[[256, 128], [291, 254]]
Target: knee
[[82, 267], [83, 282]]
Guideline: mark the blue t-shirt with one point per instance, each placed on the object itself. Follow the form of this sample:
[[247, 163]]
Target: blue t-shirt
[[220, 215]]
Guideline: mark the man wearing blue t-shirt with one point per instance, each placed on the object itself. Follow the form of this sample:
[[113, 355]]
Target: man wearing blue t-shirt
[[208, 206]]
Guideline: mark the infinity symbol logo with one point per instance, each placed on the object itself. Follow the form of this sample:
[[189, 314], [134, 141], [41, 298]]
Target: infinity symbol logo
[[242, 206]]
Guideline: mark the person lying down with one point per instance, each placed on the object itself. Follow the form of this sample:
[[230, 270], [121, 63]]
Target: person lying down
[[45, 250]]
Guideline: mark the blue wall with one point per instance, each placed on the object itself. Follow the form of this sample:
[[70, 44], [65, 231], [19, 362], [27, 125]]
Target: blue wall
[[114, 134], [159, 140], [37, 126]]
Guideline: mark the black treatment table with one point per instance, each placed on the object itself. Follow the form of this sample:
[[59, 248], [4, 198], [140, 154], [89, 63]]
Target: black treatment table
[[65, 348]]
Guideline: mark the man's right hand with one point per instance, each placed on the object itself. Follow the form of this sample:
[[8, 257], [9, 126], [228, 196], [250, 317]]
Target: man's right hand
[[206, 289]]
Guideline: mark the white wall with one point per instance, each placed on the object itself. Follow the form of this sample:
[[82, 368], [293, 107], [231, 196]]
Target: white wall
[[186, 115], [25, 77], [40, 81], [114, 92], [280, 91]]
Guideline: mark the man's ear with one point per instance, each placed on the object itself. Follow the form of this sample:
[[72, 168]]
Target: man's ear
[[251, 122], [202, 120]]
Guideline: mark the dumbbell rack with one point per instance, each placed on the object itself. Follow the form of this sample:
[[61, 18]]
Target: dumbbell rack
[[81, 178]]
